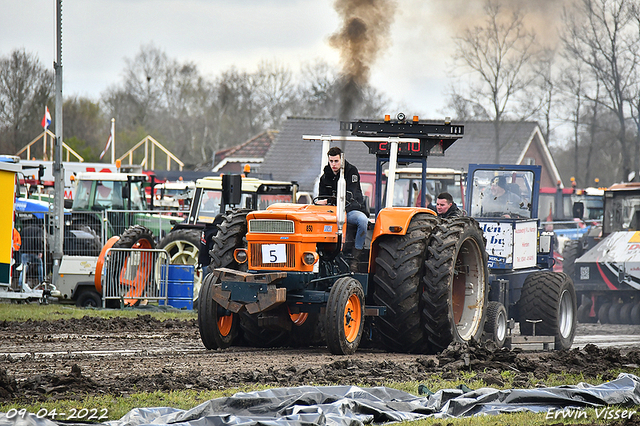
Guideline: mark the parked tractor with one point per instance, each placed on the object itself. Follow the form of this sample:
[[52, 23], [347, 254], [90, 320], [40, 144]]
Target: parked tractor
[[282, 275], [211, 200], [605, 262], [110, 203]]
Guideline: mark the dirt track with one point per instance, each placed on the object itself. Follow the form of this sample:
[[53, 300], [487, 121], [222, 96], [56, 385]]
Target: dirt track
[[49, 360]]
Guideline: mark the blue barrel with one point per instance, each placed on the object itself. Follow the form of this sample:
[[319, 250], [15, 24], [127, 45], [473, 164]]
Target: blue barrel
[[179, 286]]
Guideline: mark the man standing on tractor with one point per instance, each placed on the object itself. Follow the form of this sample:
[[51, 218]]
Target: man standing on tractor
[[445, 206], [356, 215]]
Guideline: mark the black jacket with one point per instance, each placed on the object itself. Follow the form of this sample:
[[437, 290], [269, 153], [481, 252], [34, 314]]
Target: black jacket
[[329, 186], [453, 211]]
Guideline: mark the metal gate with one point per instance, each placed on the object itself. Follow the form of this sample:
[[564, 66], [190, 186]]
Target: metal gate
[[132, 275]]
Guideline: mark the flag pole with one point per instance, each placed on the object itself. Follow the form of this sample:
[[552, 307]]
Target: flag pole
[[113, 141], [44, 138]]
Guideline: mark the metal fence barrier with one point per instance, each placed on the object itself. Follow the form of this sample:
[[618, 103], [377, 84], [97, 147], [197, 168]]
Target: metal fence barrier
[[132, 275]]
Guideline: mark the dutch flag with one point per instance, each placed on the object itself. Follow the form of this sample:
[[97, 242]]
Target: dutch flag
[[46, 120]]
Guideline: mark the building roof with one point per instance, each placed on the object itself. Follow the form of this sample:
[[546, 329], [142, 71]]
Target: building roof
[[252, 151], [292, 158]]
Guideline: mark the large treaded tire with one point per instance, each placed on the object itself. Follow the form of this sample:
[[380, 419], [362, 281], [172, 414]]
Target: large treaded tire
[[400, 264], [455, 293], [572, 250], [136, 236], [550, 297], [215, 331], [183, 246]]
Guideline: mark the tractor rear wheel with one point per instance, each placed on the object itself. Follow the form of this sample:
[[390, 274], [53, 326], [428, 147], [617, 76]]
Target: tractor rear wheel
[[399, 267], [496, 323], [550, 297], [183, 246], [344, 319], [455, 284], [218, 328]]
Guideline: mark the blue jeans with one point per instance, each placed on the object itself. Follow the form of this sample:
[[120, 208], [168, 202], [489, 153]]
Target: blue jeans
[[30, 260], [360, 220]]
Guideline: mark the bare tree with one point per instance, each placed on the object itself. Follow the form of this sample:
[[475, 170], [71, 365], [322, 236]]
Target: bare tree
[[25, 89], [496, 56], [603, 35]]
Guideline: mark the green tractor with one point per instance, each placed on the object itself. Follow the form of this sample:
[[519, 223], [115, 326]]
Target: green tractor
[[110, 203]]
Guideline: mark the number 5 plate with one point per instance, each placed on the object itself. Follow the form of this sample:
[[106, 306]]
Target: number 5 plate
[[274, 253]]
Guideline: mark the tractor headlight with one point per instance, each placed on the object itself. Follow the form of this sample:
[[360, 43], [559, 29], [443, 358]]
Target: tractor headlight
[[240, 255], [309, 257]]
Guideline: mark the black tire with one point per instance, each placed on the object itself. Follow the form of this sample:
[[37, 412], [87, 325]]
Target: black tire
[[583, 314], [614, 313], [496, 323], [89, 299], [307, 331], [230, 236], [572, 250], [135, 236], [550, 297], [454, 301], [399, 268], [625, 313], [82, 241], [603, 313], [216, 330], [344, 317], [183, 246], [634, 315]]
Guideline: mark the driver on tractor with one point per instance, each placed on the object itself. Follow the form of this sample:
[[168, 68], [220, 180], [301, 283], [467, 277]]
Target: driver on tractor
[[500, 198], [355, 201]]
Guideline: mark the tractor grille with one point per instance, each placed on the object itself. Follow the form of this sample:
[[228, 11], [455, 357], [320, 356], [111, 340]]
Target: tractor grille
[[256, 257], [269, 226]]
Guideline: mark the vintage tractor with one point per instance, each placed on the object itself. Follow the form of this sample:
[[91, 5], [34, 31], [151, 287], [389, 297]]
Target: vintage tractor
[[523, 288], [282, 275]]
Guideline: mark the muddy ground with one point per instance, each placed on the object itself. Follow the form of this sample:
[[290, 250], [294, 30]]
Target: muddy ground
[[68, 358]]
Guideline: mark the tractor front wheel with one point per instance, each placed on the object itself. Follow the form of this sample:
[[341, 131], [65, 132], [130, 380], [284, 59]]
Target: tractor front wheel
[[496, 323], [218, 328], [345, 316]]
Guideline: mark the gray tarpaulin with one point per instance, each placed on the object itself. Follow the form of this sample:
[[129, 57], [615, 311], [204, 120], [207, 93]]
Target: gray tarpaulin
[[351, 405]]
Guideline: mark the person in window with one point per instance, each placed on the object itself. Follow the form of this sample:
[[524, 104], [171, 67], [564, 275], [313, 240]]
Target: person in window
[[355, 201], [445, 206], [500, 199]]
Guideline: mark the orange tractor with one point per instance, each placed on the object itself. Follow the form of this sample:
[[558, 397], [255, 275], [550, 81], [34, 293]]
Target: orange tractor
[[281, 276]]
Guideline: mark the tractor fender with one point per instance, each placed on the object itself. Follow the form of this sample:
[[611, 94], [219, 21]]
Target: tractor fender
[[395, 220]]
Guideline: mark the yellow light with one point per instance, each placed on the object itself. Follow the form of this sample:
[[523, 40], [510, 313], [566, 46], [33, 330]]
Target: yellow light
[[118, 163], [415, 119], [387, 117], [247, 168]]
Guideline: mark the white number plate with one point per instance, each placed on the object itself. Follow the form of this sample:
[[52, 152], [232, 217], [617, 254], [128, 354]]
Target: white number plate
[[274, 253]]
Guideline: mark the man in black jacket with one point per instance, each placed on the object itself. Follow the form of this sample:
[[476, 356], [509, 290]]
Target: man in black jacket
[[355, 201], [445, 206]]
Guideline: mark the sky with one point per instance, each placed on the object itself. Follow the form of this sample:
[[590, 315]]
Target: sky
[[413, 70]]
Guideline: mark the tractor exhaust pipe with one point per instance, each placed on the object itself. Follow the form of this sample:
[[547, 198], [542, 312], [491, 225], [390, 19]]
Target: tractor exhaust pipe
[[341, 201]]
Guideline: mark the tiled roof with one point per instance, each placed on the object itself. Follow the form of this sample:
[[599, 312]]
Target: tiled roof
[[256, 147], [292, 158]]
